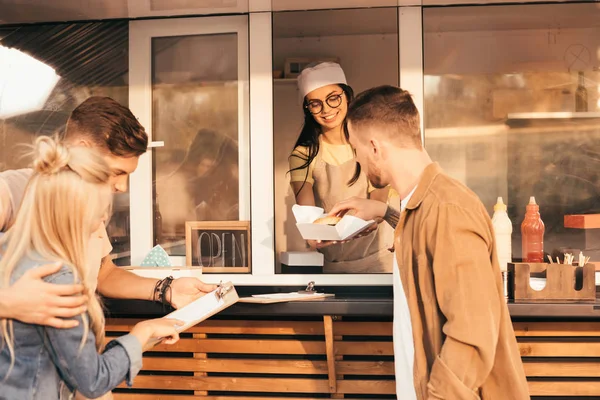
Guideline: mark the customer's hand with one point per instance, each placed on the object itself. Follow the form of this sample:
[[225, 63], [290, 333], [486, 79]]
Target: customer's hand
[[365, 209], [160, 328], [33, 301], [186, 290]]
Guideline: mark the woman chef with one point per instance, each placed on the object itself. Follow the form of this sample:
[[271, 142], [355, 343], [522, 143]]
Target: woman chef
[[322, 165]]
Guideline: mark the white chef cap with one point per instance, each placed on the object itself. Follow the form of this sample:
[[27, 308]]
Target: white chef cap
[[317, 76]]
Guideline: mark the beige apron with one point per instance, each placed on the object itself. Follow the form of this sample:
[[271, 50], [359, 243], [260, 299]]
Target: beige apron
[[367, 254]]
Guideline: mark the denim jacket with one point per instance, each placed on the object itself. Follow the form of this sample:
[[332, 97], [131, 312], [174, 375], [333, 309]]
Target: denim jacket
[[46, 359]]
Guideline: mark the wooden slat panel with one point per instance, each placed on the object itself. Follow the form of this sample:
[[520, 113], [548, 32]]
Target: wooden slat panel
[[244, 346], [329, 343], [560, 329], [365, 367], [559, 349], [234, 327], [564, 388], [236, 366], [362, 328], [366, 387], [562, 369], [230, 384], [267, 366], [364, 348]]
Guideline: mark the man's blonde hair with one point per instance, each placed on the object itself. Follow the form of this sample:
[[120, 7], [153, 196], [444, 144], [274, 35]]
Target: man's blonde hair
[[66, 194]]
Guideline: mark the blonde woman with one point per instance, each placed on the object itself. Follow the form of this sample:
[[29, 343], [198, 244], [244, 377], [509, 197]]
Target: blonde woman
[[66, 200]]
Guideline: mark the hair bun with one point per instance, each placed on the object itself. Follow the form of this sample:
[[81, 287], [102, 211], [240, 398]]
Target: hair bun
[[49, 156]]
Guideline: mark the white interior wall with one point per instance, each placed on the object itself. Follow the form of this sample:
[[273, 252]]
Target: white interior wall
[[508, 51], [501, 52]]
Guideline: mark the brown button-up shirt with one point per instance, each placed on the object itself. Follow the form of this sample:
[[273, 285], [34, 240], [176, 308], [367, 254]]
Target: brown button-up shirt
[[465, 346]]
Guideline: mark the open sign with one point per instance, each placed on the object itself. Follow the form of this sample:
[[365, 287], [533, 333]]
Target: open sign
[[218, 246]]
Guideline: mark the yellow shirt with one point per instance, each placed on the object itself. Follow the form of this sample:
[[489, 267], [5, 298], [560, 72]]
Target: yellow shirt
[[333, 154]]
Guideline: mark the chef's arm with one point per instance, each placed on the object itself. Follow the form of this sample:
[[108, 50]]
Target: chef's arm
[[304, 193]]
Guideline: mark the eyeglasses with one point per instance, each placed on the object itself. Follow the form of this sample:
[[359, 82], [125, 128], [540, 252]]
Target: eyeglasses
[[316, 106]]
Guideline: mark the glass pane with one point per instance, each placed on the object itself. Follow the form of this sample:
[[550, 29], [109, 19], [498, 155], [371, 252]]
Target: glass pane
[[365, 43], [195, 112], [91, 60], [503, 110]]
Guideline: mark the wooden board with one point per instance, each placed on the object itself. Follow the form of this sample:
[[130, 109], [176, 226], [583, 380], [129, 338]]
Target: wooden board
[[560, 286], [582, 221]]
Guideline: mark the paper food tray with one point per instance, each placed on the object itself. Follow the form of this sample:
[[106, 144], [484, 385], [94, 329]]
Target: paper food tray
[[348, 227]]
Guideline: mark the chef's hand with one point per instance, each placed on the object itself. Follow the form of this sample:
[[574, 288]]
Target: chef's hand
[[186, 290], [319, 244], [365, 209]]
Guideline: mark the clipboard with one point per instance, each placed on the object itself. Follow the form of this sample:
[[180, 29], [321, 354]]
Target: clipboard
[[205, 307]]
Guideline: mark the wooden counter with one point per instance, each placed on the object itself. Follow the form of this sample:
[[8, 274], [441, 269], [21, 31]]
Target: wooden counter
[[340, 348]]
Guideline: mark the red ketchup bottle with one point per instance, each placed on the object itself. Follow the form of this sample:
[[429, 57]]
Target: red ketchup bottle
[[532, 233]]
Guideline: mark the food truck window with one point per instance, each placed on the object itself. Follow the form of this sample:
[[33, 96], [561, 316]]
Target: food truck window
[[88, 59], [504, 109], [190, 79], [364, 42]]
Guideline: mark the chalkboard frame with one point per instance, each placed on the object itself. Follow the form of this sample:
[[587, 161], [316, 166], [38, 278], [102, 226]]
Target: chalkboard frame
[[207, 226]]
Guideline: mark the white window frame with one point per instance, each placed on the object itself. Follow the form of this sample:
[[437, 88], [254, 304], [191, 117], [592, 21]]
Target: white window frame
[[258, 26], [143, 8], [140, 103]]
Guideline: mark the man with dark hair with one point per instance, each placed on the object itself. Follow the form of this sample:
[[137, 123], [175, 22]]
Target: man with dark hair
[[103, 123], [448, 292]]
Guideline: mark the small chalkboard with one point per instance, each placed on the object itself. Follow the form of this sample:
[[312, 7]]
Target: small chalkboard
[[218, 246]]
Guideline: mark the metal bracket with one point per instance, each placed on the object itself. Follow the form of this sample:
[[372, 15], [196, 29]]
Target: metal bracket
[[222, 290], [310, 288]]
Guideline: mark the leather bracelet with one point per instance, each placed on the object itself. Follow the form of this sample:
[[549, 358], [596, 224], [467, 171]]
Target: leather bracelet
[[166, 294], [156, 291], [162, 291], [392, 216]]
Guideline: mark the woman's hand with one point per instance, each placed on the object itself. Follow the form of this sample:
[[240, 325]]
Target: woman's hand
[[319, 244], [365, 209], [161, 328]]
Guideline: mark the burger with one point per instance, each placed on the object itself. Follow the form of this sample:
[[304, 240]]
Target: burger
[[329, 220]]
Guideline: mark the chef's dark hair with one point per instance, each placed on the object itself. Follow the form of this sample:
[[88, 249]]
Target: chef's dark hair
[[309, 135]]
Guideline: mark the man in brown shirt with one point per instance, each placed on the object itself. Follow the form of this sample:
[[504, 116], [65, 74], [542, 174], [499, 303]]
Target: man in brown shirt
[[464, 343]]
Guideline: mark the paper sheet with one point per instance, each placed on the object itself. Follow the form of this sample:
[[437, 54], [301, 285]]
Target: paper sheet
[[287, 296], [198, 310], [283, 297]]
